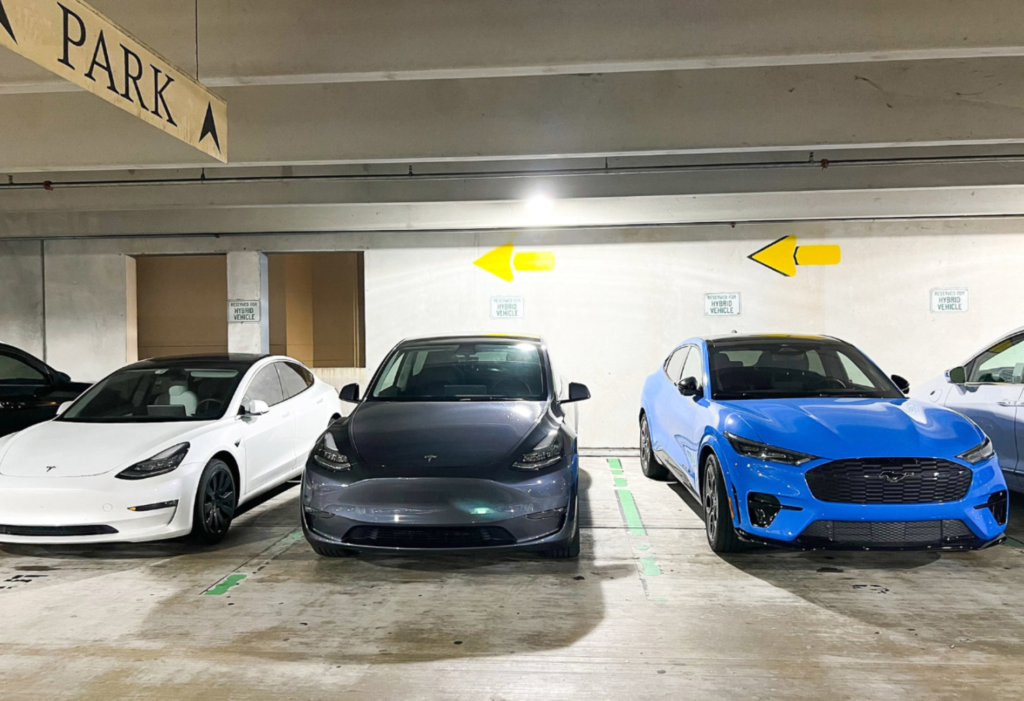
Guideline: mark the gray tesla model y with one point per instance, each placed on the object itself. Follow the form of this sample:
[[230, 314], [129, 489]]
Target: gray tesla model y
[[461, 443]]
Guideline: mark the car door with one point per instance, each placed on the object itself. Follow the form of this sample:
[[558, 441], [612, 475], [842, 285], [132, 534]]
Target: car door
[[29, 392], [309, 410], [659, 416], [268, 439], [992, 395], [683, 416]]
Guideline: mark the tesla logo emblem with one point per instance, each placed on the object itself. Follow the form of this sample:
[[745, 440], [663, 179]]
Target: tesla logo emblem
[[51, 467], [894, 477], [428, 458]]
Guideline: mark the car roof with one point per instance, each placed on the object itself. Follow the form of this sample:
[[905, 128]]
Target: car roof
[[731, 339], [478, 338], [234, 361]]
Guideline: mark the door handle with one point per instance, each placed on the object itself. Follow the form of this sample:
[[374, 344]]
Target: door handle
[[1007, 402], [286, 415]]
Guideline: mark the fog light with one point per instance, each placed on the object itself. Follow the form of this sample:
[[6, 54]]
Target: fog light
[[155, 507], [550, 513], [998, 504], [317, 512], [763, 509]]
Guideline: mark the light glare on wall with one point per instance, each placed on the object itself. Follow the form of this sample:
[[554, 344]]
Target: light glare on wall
[[539, 203]]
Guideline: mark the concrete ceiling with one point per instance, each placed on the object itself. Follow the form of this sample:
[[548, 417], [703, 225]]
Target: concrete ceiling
[[630, 112]]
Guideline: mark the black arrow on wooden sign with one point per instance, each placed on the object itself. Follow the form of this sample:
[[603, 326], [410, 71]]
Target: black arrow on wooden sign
[[6, 23], [209, 126]]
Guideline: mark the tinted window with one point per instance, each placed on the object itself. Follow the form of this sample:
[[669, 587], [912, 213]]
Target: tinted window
[[1002, 363], [13, 370], [774, 369], [674, 366], [266, 386], [491, 370], [157, 394], [294, 379], [694, 367]]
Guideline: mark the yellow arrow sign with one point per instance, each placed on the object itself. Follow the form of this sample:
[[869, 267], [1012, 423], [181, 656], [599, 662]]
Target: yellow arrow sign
[[502, 260], [784, 255], [79, 44]]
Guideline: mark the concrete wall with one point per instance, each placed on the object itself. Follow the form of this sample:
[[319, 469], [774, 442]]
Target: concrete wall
[[616, 301], [21, 295]]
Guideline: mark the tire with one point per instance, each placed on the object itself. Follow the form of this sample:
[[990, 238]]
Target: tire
[[216, 500], [648, 463], [717, 514], [566, 552], [332, 551]]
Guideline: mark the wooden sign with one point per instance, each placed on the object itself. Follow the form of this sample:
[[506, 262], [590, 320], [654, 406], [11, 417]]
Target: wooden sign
[[79, 44]]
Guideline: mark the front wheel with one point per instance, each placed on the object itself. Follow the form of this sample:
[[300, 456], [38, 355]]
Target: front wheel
[[215, 503], [717, 514], [566, 552], [648, 463]]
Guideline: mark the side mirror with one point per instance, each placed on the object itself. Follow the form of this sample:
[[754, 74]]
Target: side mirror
[[957, 375], [61, 378], [64, 407], [577, 393], [688, 388], [257, 407], [349, 393], [901, 383]]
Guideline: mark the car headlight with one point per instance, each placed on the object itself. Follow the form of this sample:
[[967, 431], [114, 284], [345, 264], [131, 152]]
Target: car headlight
[[979, 453], [326, 454], [159, 464], [760, 451], [544, 454]]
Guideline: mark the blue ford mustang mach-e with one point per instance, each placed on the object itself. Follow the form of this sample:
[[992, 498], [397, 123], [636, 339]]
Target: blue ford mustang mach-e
[[802, 441]]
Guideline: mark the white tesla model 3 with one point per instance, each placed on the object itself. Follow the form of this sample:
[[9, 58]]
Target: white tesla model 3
[[162, 448]]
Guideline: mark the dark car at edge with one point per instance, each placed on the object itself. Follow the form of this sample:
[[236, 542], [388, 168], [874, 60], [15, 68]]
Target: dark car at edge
[[30, 390]]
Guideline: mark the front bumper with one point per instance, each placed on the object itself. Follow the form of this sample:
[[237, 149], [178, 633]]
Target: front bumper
[[41, 510], [805, 522], [537, 512]]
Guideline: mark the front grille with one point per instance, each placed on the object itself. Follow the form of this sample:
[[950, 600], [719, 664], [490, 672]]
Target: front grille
[[887, 533], [56, 531], [424, 537], [890, 481]]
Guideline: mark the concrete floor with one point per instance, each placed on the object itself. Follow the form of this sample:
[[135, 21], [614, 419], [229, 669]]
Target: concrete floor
[[647, 612]]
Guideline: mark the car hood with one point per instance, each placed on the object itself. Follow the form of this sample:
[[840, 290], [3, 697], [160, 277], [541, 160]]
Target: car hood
[[71, 449], [834, 428], [456, 434]]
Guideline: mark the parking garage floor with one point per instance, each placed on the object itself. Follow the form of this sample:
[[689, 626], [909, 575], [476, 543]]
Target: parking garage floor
[[647, 612]]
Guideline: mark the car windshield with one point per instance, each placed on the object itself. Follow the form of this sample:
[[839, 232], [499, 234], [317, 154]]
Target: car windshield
[[476, 371], [157, 394], [780, 369]]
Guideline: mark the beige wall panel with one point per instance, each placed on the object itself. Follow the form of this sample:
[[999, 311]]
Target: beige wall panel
[[182, 305], [337, 310]]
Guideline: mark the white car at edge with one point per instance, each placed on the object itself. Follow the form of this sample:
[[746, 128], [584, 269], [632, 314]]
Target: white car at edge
[[162, 448]]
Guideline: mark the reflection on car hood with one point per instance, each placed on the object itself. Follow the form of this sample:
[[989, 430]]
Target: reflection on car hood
[[832, 427], [455, 434], [73, 449]]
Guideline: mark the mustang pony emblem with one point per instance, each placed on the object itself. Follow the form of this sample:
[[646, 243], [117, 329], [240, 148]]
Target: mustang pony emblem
[[894, 477], [51, 467]]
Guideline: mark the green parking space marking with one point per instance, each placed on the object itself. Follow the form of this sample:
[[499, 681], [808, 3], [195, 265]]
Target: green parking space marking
[[650, 567], [616, 466], [630, 514], [224, 584], [620, 482]]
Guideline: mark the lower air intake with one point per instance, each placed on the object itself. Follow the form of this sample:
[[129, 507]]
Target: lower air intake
[[887, 534], [413, 537], [56, 531]]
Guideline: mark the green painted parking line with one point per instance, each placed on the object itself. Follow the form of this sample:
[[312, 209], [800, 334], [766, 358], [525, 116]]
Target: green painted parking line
[[616, 465], [225, 584], [620, 482], [650, 567], [630, 514]]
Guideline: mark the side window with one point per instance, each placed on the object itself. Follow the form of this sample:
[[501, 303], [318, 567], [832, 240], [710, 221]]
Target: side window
[[14, 370], [294, 379], [266, 386], [694, 367], [674, 365], [1002, 363]]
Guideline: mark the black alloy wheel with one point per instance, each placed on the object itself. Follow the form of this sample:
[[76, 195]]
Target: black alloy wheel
[[216, 500], [648, 463], [717, 514]]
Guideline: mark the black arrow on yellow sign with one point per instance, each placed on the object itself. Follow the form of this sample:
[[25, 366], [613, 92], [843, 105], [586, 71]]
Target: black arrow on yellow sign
[[209, 127], [6, 23]]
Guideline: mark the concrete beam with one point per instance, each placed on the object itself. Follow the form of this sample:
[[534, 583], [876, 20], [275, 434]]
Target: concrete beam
[[916, 103], [268, 42]]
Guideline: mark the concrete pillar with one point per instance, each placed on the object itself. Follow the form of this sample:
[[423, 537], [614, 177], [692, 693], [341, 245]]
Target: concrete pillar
[[248, 281]]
